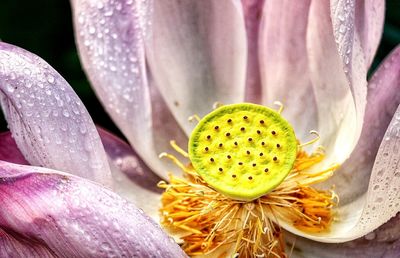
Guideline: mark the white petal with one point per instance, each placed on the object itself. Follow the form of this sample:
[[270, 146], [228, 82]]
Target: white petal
[[47, 119], [197, 55]]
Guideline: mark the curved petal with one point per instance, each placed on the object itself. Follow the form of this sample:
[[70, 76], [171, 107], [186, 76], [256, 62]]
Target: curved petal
[[375, 202], [353, 177], [338, 79], [110, 37], [252, 14], [369, 18], [383, 242], [49, 122], [284, 64], [9, 151], [197, 54], [73, 217]]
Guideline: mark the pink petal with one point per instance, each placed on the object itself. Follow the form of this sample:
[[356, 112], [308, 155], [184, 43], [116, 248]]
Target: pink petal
[[338, 76], [252, 10], [9, 150], [74, 217], [110, 37], [383, 99], [369, 19], [197, 55], [284, 65], [51, 126]]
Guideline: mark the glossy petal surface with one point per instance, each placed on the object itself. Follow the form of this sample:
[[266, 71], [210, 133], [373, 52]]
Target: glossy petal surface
[[49, 122], [73, 217], [197, 55]]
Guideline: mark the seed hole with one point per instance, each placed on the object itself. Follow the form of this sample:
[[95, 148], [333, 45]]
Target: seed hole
[[262, 143], [228, 134], [216, 127], [234, 176], [250, 178], [245, 117], [235, 143], [278, 145], [273, 132], [211, 159], [262, 122], [240, 163], [229, 120], [266, 170], [229, 156], [258, 132], [275, 159], [220, 145], [208, 137], [220, 169], [250, 139], [206, 148], [248, 152], [242, 129], [261, 154], [254, 164]]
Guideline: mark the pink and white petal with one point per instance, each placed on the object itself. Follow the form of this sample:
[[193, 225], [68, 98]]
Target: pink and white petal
[[74, 217], [48, 121], [374, 196], [252, 10], [197, 55], [383, 100], [382, 242], [110, 38], [369, 19], [340, 112], [9, 150], [283, 63], [133, 180]]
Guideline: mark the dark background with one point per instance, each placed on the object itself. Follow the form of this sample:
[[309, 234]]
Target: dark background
[[44, 27]]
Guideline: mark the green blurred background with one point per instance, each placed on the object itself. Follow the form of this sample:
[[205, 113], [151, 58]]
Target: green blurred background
[[44, 27]]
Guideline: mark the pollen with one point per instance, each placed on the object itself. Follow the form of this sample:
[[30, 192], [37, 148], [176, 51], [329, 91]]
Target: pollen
[[239, 128]]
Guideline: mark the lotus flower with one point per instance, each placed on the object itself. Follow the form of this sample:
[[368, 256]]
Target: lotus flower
[[154, 64]]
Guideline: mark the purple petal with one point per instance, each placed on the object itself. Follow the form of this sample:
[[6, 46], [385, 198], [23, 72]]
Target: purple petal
[[74, 217], [284, 65], [369, 18], [197, 54], [110, 37], [51, 126], [252, 13], [9, 150]]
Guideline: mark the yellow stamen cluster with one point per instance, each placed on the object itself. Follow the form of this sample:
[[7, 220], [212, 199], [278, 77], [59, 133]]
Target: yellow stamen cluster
[[208, 220]]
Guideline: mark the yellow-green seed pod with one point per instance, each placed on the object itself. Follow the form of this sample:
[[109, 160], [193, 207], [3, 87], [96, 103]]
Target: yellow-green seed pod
[[243, 150]]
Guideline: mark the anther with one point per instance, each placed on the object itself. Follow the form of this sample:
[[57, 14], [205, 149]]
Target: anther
[[262, 122], [248, 152], [250, 139], [278, 145], [211, 159], [228, 134], [229, 156], [273, 132], [242, 129], [216, 127], [220, 145]]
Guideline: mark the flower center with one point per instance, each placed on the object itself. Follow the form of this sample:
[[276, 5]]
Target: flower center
[[243, 150]]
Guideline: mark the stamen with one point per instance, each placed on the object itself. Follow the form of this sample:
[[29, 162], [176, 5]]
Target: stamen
[[280, 105], [178, 149], [194, 117], [313, 140]]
